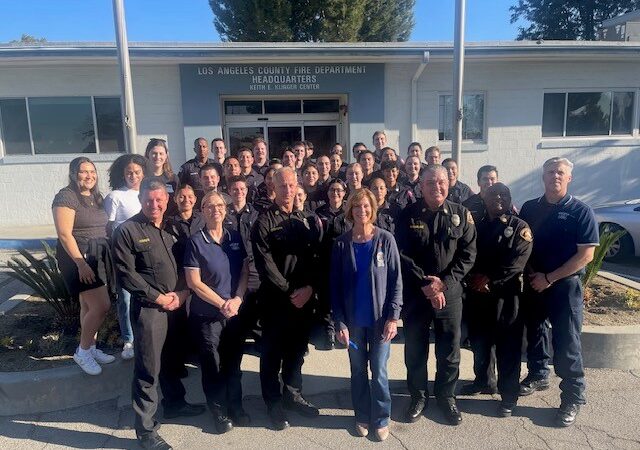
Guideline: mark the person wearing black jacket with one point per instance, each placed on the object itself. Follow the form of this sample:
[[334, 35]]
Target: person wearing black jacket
[[285, 248], [494, 289], [437, 242], [144, 259], [334, 224], [240, 218]]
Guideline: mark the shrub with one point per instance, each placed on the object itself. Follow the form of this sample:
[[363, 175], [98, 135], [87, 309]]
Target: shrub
[[44, 277], [607, 238]]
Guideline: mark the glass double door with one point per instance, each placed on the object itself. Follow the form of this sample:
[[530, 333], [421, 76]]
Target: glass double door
[[282, 135]]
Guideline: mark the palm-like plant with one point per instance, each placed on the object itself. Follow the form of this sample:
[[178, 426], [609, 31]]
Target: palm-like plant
[[44, 277], [607, 238]]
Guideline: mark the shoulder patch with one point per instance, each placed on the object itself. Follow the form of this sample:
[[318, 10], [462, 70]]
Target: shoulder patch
[[526, 234], [470, 218]]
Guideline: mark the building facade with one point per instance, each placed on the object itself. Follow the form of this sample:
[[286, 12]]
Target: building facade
[[524, 103]]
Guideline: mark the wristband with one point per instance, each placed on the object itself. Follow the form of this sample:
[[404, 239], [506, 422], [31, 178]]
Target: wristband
[[547, 278]]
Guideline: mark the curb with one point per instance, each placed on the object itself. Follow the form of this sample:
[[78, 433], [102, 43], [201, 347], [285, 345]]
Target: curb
[[29, 244], [41, 391], [619, 279], [611, 347]]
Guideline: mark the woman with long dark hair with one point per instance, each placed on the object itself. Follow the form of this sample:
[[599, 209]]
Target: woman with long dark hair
[[157, 154], [84, 257], [125, 175]]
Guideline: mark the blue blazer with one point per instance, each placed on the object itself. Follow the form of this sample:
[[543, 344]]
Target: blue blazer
[[386, 279]]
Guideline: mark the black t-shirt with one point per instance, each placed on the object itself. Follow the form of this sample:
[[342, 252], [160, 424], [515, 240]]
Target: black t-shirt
[[90, 218]]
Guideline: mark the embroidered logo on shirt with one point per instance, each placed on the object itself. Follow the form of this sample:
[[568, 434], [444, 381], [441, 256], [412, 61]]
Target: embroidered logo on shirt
[[526, 234], [563, 215]]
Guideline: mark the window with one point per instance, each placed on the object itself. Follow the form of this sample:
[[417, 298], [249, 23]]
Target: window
[[58, 125], [603, 113], [472, 121]]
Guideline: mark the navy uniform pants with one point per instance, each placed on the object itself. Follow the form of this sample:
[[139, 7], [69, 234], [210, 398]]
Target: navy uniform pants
[[155, 364], [418, 316], [496, 324], [562, 305]]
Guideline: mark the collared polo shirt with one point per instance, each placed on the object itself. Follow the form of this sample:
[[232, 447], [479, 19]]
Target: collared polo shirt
[[220, 266], [558, 229]]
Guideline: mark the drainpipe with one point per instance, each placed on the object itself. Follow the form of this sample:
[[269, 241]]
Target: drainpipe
[[414, 96]]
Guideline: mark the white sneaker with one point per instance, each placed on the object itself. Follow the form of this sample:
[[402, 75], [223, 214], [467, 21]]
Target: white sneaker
[[127, 350], [87, 363], [101, 357]]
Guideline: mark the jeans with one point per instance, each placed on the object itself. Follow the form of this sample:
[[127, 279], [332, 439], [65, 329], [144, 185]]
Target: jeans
[[371, 400], [124, 318]]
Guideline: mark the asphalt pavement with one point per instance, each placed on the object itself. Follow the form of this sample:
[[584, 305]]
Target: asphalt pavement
[[609, 420]]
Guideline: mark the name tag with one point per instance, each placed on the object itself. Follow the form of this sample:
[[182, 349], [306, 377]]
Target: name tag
[[144, 240], [417, 227]]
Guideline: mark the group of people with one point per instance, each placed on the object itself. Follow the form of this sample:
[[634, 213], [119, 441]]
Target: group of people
[[199, 260]]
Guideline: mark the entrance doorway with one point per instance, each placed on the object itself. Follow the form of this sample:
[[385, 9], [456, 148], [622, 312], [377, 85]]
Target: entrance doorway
[[281, 122]]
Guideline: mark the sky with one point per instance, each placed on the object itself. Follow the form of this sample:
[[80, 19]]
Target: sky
[[192, 20]]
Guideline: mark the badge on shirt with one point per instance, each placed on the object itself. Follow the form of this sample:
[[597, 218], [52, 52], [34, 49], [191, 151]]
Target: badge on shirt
[[455, 220], [379, 259], [526, 234], [508, 232], [470, 218]]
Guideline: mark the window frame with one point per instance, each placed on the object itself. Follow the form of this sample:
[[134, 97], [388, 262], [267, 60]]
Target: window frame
[[484, 118], [55, 156], [586, 90]]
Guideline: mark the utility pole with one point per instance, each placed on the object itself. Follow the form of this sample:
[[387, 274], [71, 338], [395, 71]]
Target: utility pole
[[458, 82], [126, 103]]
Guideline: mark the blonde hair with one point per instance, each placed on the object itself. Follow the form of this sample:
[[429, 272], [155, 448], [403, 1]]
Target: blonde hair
[[356, 198], [208, 196]]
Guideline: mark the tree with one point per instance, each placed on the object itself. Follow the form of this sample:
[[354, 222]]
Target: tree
[[566, 19], [313, 20], [27, 39]]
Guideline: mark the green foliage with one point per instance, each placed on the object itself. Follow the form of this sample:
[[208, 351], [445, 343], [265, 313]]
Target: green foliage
[[27, 39], [313, 20], [566, 19], [606, 239], [632, 299], [44, 277]]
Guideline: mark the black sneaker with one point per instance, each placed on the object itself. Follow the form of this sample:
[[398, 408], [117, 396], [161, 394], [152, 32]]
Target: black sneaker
[[184, 410], [153, 441], [278, 417], [566, 415], [530, 385], [474, 388], [301, 406]]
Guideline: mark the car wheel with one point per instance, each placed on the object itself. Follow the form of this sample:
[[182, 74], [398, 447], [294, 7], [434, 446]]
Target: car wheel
[[620, 249]]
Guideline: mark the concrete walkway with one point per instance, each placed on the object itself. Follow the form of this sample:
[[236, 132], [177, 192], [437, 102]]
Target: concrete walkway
[[610, 420]]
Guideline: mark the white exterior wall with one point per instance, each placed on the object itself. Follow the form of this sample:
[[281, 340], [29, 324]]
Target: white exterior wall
[[29, 183], [605, 168]]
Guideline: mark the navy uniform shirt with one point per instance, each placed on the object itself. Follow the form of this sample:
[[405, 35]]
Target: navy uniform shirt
[[400, 196], [440, 243], [182, 229], [143, 256], [459, 192], [285, 249], [241, 222], [414, 187], [220, 267], [504, 246], [558, 230], [190, 172], [387, 216], [475, 205]]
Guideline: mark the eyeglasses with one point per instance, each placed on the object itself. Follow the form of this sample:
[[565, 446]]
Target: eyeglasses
[[216, 206], [336, 191]]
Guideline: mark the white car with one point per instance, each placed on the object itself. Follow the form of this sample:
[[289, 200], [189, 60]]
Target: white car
[[622, 215]]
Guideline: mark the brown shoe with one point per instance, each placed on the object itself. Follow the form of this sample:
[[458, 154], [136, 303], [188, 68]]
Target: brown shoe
[[362, 429], [382, 433]]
